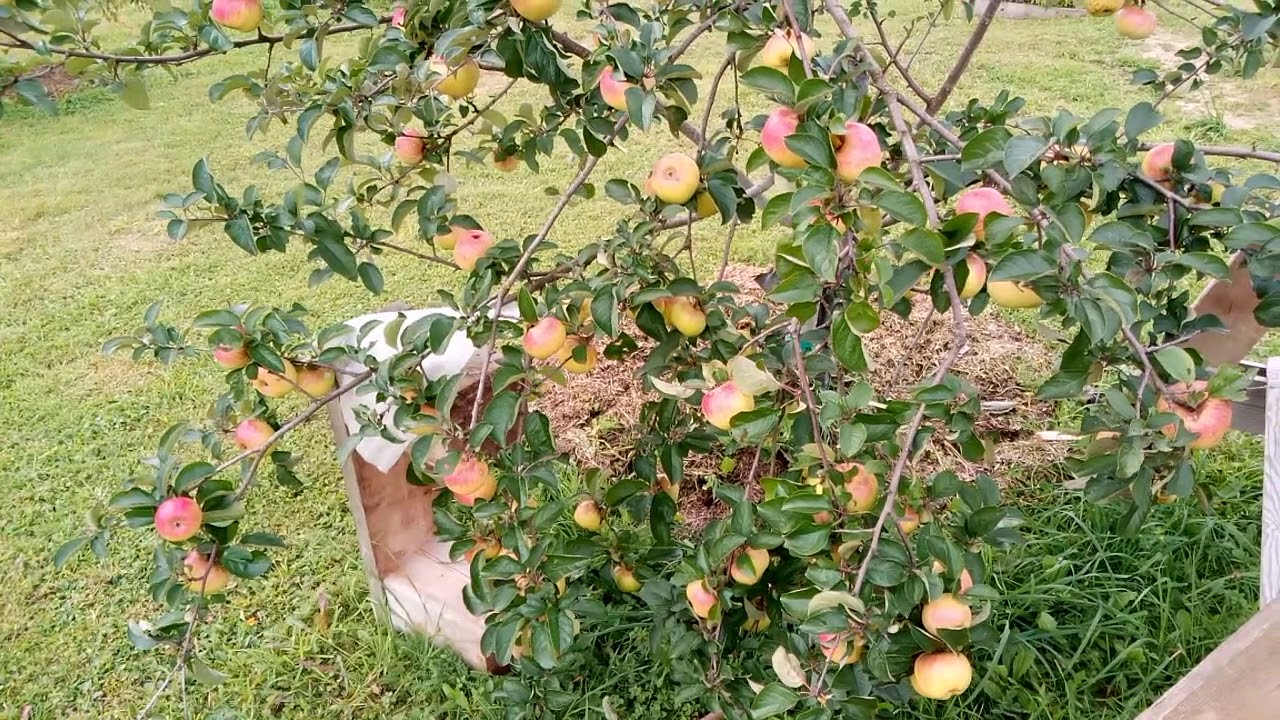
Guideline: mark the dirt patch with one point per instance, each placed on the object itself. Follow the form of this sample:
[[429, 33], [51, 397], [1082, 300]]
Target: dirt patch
[[594, 416], [1238, 102], [53, 77]]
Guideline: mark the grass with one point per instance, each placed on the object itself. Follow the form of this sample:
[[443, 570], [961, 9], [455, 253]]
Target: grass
[[81, 257]]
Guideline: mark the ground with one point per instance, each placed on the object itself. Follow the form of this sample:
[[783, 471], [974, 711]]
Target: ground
[[1096, 631]]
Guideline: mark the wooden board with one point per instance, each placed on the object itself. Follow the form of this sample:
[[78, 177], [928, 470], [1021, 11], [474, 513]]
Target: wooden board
[[1271, 490], [352, 485], [1238, 681], [1233, 301]]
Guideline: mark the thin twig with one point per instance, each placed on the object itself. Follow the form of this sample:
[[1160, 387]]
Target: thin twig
[[962, 61], [916, 87], [1235, 151], [798, 356], [790, 12], [729, 60], [728, 246]]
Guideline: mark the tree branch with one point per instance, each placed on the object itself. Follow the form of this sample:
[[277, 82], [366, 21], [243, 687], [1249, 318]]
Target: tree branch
[[966, 54], [916, 87], [1234, 151]]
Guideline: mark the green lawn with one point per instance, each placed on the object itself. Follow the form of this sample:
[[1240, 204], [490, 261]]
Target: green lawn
[[81, 257]]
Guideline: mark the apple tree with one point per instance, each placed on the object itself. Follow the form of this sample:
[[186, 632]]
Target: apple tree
[[854, 583]]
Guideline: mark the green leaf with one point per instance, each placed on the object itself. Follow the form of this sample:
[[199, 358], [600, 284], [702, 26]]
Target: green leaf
[[68, 550], [800, 286], [848, 347], [1022, 151], [262, 539], [1217, 217], [1177, 363], [771, 82], [862, 317], [904, 206], [1141, 118], [1022, 265], [33, 92], [985, 150], [215, 319], [205, 674], [371, 276], [129, 499], [1207, 263], [925, 243], [134, 93], [237, 228], [774, 699]]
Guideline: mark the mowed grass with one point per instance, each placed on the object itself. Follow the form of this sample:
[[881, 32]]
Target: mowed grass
[[81, 257]]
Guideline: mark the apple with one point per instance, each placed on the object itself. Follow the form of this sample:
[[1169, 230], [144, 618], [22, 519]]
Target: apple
[[945, 613], [429, 424], [178, 519], [252, 433], [1208, 419], [706, 206], [839, 649], [671, 489], [1157, 164], [749, 565], [456, 82], [488, 547], [757, 618], [231, 357], [983, 201], [858, 149], [470, 246], [779, 126], [471, 480], [410, 146], [242, 15], [686, 317], [203, 575], [625, 579], [1102, 8], [675, 178], [781, 45], [613, 90], [449, 240], [587, 515], [722, 402], [1135, 23], [536, 10], [941, 675], [316, 380], [572, 365], [505, 163], [544, 338], [862, 486], [977, 276], [273, 385], [909, 521], [966, 580], [1013, 294], [397, 16], [702, 599]]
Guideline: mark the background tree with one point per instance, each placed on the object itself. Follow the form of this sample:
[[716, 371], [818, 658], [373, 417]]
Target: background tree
[[855, 582]]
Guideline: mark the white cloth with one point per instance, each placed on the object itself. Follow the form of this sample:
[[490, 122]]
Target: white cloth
[[459, 351]]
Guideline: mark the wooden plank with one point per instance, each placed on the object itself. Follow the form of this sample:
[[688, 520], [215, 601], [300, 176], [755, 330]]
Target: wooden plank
[[1233, 301], [1249, 415], [356, 503], [1238, 681], [1271, 488]]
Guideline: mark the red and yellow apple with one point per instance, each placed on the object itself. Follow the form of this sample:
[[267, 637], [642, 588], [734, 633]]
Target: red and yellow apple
[[1102, 8], [966, 579], [544, 338], [702, 599], [749, 565], [862, 486], [202, 575], [428, 423], [941, 675], [448, 240], [505, 163], [1157, 164], [613, 90], [486, 546], [977, 276], [273, 385], [536, 10], [909, 520], [410, 146], [685, 316], [1135, 23], [1013, 294], [471, 480], [316, 380], [456, 81], [178, 519], [588, 516], [983, 201], [675, 178], [252, 433], [470, 246], [242, 15], [840, 648], [1208, 420], [721, 403], [779, 126], [706, 206], [856, 150], [231, 357], [781, 45], [945, 612], [397, 16]]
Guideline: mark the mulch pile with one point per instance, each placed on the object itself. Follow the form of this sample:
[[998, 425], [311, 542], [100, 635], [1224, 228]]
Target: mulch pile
[[594, 415]]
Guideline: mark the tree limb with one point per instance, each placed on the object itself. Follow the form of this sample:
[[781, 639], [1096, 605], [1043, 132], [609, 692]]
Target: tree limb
[[966, 54]]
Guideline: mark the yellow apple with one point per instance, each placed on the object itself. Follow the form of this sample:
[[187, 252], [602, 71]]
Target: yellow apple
[[675, 178], [1013, 294]]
